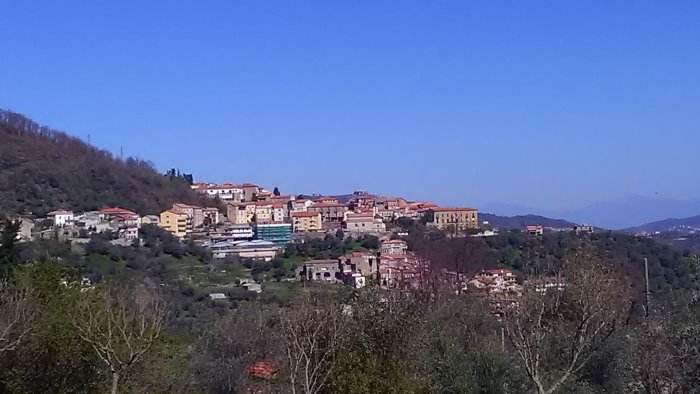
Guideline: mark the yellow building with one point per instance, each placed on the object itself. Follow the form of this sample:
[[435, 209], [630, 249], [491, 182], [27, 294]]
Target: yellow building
[[457, 218], [174, 222], [306, 221]]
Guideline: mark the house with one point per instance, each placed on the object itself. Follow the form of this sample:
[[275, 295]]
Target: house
[[301, 205], [365, 264], [495, 281], [364, 223], [150, 219], [329, 212], [320, 271], [283, 198], [279, 211], [125, 221], [326, 200], [217, 296], [129, 232], [584, 229], [107, 214], [250, 191], [306, 222], [251, 212], [174, 222], [60, 217], [26, 229], [194, 213], [225, 192], [278, 233], [534, 230], [263, 195], [458, 218], [393, 247], [212, 215]]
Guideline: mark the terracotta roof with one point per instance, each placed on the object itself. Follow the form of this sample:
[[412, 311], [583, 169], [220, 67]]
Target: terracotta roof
[[115, 211], [326, 205], [453, 209], [277, 205], [260, 370], [59, 212], [305, 214]]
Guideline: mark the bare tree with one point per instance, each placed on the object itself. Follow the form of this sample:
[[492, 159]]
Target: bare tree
[[121, 324], [561, 322], [16, 315], [312, 333]]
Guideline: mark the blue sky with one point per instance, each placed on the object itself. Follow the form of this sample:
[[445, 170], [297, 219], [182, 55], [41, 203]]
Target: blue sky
[[548, 104]]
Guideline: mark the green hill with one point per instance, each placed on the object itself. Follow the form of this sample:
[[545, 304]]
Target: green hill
[[42, 169]]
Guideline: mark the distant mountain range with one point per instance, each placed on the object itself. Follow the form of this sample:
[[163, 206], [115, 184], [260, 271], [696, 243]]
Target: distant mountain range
[[686, 225], [519, 222], [619, 214]]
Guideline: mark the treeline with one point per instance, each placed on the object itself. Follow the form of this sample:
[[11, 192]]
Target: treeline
[[584, 337], [42, 169], [669, 268]]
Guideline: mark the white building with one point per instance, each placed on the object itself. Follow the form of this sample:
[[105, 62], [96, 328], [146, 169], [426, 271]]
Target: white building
[[301, 205], [60, 217], [393, 247]]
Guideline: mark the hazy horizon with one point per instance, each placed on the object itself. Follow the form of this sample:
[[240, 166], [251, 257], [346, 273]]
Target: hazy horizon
[[551, 106]]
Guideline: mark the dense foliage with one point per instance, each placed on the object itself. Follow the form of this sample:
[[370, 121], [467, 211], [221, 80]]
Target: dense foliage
[[669, 268], [43, 169]]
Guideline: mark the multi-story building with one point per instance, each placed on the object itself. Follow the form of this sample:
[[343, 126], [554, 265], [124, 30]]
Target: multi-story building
[[320, 271], [365, 264], [250, 191], [364, 223], [212, 214], [534, 230], [457, 218], [279, 234], [326, 200], [301, 205], [175, 222], [394, 247], [250, 212], [306, 222], [330, 212], [194, 213], [279, 211], [61, 217], [225, 192]]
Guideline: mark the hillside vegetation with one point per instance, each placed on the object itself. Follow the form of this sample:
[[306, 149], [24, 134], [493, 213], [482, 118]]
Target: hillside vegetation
[[42, 169], [520, 222]]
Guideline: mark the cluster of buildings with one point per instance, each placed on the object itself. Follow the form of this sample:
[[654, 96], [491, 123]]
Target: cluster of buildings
[[123, 222], [393, 267], [249, 204]]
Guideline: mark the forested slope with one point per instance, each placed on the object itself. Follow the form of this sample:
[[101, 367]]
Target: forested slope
[[42, 169]]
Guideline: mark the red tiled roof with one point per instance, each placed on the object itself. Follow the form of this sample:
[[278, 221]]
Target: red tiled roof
[[327, 205], [116, 211], [261, 370], [59, 212], [453, 209]]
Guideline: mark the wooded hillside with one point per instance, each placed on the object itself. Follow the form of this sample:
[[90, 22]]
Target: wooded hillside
[[42, 169]]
